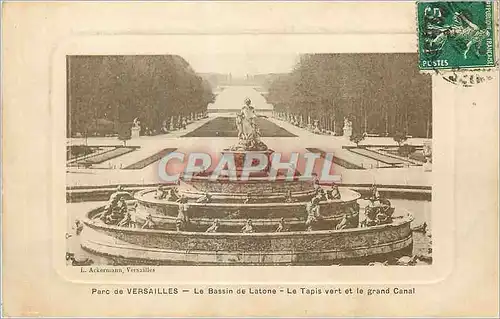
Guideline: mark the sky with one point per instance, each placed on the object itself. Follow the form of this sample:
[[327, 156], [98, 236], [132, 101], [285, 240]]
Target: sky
[[242, 64]]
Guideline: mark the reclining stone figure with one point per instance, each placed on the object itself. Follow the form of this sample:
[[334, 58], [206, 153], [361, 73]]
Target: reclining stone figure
[[248, 228], [183, 211], [160, 192], [127, 221], [205, 198], [149, 223], [288, 197], [378, 212], [172, 194], [344, 223], [321, 194], [119, 192], [334, 192], [214, 227], [249, 199], [116, 211], [313, 213], [281, 226]]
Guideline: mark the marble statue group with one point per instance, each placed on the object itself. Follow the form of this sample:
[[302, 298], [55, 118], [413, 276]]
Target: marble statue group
[[248, 132]]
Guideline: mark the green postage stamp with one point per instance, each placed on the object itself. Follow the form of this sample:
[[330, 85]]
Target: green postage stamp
[[456, 35]]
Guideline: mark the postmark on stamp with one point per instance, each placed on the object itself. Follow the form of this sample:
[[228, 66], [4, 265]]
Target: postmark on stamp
[[456, 35], [467, 79]]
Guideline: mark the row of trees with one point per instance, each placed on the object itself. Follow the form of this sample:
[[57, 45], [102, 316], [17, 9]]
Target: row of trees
[[114, 90], [380, 93]]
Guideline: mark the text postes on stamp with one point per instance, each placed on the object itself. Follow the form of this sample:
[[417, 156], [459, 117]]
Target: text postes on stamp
[[455, 35]]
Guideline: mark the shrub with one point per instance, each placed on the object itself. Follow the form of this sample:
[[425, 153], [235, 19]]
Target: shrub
[[406, 150], [400, 137], [80, 150], [357, 138], [124, 134]]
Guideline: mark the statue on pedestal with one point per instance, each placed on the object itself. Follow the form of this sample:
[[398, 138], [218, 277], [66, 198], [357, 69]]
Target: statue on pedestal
[[172, 124], [164, 127], [248, 132], [137, 122], [316, 128], [347, 127], [136, 128]]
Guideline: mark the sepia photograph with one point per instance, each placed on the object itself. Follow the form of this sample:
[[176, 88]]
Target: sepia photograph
[[255, 159], [250, 158]]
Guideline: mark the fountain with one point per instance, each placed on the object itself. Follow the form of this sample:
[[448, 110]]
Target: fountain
[[258, 221]]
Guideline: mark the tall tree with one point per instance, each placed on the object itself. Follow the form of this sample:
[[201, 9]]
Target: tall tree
[[121, 88], [380, 93]]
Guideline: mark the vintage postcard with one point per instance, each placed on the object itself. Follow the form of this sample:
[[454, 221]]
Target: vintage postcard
[[256, 159]]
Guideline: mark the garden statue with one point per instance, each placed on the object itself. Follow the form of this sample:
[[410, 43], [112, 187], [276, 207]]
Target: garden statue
[[316, 128], [164, 127], [136, 128], [137, 122], [172, 124], [347, 127]]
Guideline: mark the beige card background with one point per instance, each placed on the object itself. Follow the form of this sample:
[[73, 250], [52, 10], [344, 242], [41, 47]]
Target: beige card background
[[463, 279]]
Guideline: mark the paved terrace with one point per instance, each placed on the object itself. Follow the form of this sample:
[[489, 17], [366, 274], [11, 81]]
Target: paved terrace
[[109, 172]]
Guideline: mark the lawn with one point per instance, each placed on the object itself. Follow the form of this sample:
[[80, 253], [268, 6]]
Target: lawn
[[226, 127], [151, 159]]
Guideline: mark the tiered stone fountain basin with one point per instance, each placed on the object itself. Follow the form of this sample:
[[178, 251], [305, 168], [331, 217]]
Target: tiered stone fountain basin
[[322, 247], [254, 185], [265, 214], [266, 206]]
